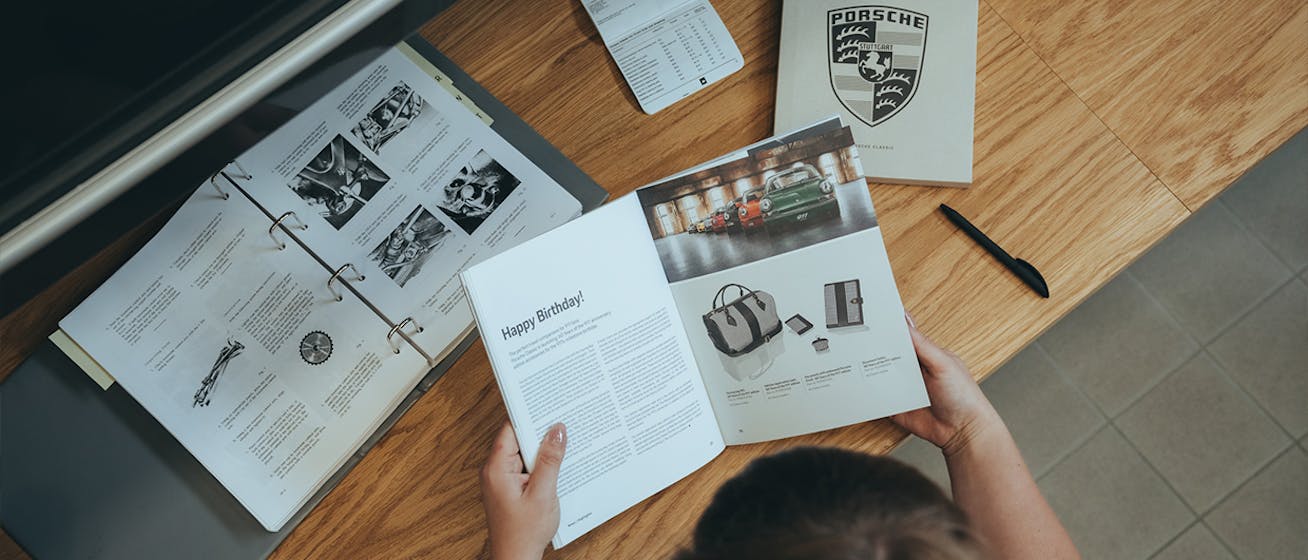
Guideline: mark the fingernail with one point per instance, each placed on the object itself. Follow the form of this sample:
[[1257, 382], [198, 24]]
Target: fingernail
[[558, 433], [910, 320]]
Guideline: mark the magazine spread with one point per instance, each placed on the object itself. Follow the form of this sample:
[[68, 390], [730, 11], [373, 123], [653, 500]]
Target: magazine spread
[[902, 75], [273, 326], [717, 307], [666, 49]]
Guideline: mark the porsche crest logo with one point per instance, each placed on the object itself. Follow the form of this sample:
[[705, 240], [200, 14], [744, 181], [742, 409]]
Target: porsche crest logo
[[876, 59]]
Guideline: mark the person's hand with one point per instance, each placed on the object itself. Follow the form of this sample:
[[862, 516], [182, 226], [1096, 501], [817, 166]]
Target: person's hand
[[959, 411], [522, 511]]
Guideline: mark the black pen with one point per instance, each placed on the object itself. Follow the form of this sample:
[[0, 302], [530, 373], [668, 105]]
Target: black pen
[[1019, 267]]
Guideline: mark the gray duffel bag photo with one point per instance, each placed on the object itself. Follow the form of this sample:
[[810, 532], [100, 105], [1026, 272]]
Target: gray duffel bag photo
[[743, 324]]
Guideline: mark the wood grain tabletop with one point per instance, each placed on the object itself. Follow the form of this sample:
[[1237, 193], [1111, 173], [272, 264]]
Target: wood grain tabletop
[[1100, 127], [1071, 174]]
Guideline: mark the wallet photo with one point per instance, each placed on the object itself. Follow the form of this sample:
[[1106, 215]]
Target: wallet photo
[[844, 302], [799, 324]]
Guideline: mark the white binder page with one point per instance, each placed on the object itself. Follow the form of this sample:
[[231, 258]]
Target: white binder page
[[392, 175], [244, 354]]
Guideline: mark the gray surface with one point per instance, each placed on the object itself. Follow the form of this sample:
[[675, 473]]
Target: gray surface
[[1047, 416], [1272, 200], [1206, 299], [1268, 516], [1196, 543], [1267, 353], [1089, 488], [1202, 396], [1118, 344], [89, 473], [1203, 460]]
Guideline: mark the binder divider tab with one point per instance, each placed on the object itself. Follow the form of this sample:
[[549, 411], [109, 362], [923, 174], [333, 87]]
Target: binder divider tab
[[358, 277], [272, 230]]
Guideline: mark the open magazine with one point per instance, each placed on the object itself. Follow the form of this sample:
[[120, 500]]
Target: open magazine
[[745, 300], [299, 296]]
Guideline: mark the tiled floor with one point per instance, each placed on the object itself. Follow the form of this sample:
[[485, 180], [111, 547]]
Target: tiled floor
[[1167, 417]]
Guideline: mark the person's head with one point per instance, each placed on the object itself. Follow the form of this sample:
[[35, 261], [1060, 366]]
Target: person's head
[[831, 504]]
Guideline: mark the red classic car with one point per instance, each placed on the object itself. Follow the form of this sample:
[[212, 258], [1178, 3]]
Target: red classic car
[[719, 221], [751, 216]]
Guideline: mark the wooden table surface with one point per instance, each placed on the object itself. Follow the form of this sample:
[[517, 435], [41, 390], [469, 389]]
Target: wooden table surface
[[1100, 126]]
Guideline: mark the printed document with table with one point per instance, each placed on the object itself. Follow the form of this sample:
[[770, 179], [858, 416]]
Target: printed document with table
[[666, 49]]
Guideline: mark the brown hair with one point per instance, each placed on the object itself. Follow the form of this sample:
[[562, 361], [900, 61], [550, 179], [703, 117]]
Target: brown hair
[[831, 504]]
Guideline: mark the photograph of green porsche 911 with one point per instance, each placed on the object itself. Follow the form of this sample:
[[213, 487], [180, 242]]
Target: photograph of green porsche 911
[[772, 199], [797, 195]]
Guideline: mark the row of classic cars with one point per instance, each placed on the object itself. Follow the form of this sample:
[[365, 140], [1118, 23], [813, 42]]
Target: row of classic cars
[[796, 195]]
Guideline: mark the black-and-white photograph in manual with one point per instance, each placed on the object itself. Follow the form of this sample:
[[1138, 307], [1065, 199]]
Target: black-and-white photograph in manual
[[409, 246], [338, 181], [204, 395], [477, 191], [400, 108], [787, 194]]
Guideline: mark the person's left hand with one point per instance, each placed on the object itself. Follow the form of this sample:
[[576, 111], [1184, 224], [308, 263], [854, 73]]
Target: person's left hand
[[522, 511]]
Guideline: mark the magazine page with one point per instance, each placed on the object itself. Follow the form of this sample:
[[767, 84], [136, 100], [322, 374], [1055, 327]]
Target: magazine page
[[782, 282], [392, 175], [581, 329], [244, 354]]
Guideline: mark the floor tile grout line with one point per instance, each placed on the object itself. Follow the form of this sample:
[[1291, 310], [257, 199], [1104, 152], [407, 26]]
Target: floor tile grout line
[[1204, 518], [1113, 422], [1076, 446], [1204, 349], [1225, 546], [1063, 459], [1174, 538], [1221, 368], [1103, 418], [1224, 497], [1135, 399], [1100, 422], [1189, 211], [1243, 225], [1239, 315], [1166, 374], [1201, 349], [1166, 482]]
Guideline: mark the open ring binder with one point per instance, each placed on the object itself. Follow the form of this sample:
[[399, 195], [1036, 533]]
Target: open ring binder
[[337, 274], [272, 230]]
